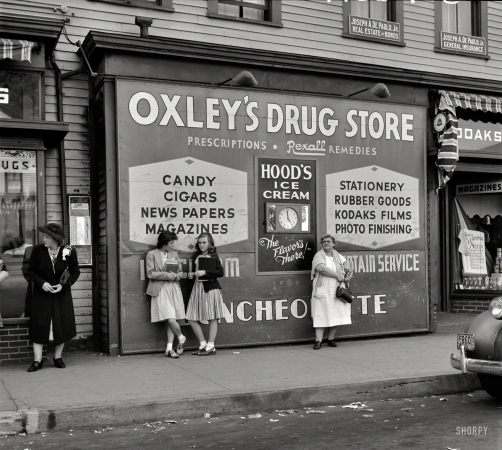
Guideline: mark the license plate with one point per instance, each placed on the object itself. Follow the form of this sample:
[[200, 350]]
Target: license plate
[[467, 340]]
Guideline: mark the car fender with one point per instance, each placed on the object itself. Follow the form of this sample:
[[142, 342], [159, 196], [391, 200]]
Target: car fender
[[487, 333]]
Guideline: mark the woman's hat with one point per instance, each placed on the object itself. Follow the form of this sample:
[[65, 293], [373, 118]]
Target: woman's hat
[[54, 230]]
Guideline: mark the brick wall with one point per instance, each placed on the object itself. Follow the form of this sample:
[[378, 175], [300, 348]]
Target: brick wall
[[15, 346], [474, 306]]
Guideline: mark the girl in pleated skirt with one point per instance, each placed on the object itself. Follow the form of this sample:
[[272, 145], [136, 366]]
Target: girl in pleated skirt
[[206, 302], [164, 288]]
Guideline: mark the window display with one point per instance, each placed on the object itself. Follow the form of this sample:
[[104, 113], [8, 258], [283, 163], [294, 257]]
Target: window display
[[476, 235], [20, 95], [18, 221]]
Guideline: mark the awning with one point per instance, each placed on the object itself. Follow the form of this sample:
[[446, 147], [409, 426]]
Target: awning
[[475, 102], [15, 49], [446, 113]]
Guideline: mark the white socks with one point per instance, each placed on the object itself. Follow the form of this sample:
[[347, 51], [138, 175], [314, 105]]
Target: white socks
[[202, 345], [169, 347], [182, 339], [210, 345]]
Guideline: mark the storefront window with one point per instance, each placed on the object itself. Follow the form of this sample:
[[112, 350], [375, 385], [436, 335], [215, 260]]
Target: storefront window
[[18, 220], [19, 95], [477, 232]]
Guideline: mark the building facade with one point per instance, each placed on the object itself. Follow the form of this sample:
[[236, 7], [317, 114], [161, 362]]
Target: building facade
[[255, 121]]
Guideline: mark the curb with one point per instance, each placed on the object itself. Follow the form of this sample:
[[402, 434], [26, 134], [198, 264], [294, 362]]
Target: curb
[[34, 421]]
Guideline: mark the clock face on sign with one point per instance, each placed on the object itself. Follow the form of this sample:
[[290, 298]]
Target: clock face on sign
[[288, 218]]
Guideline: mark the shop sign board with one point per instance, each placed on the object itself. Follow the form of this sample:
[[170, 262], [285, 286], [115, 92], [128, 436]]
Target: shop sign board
[[474, 45], [265, 173], [374, 28], [26, 163], [491, 187], [477, 138]]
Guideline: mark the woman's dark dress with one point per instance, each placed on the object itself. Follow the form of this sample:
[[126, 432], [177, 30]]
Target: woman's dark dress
[[47, 306]]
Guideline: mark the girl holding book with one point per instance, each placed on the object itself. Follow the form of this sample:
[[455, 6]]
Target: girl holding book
[[206, 302], [162, 269]]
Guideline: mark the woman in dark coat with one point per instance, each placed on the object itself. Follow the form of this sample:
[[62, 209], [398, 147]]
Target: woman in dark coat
[[51, 300]]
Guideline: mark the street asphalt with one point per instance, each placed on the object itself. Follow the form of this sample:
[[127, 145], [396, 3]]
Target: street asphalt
[[97, 390]]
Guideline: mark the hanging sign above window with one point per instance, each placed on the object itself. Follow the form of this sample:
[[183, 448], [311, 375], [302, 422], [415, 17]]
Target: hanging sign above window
[[439, 122], [473, 45]]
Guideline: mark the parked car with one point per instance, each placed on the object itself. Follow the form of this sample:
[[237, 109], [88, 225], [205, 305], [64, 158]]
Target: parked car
[[481, 349]]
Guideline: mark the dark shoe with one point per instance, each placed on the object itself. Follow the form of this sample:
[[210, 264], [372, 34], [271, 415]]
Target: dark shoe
[[332, 343], [207, 352], [197, 352], [317, 345], [35, 365], [59, 363]]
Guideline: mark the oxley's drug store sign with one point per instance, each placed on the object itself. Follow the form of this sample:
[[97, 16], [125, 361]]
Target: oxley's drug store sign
[[267, 174]]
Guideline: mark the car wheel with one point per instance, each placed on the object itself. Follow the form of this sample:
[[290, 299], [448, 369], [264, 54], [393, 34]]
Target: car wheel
[[491, 384]]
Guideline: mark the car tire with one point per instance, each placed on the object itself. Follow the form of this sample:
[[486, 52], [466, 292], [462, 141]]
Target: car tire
[[492, 384]]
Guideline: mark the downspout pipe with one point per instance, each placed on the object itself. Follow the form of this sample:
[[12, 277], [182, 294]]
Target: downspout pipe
[[74, 72], [62, 157]]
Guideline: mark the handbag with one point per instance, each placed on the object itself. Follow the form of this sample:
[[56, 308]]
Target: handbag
[[65, 276], [344, 292]]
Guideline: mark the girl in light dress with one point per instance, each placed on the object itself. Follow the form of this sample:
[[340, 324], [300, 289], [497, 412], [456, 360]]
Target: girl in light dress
[[164, 288], [206, 302]]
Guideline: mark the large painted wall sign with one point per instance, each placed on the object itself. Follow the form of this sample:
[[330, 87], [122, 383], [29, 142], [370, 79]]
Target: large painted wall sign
[[373, 207], [267, 174], [189, 197]]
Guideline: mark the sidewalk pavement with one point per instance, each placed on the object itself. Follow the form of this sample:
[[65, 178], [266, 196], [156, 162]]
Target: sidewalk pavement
[[96, 390]]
